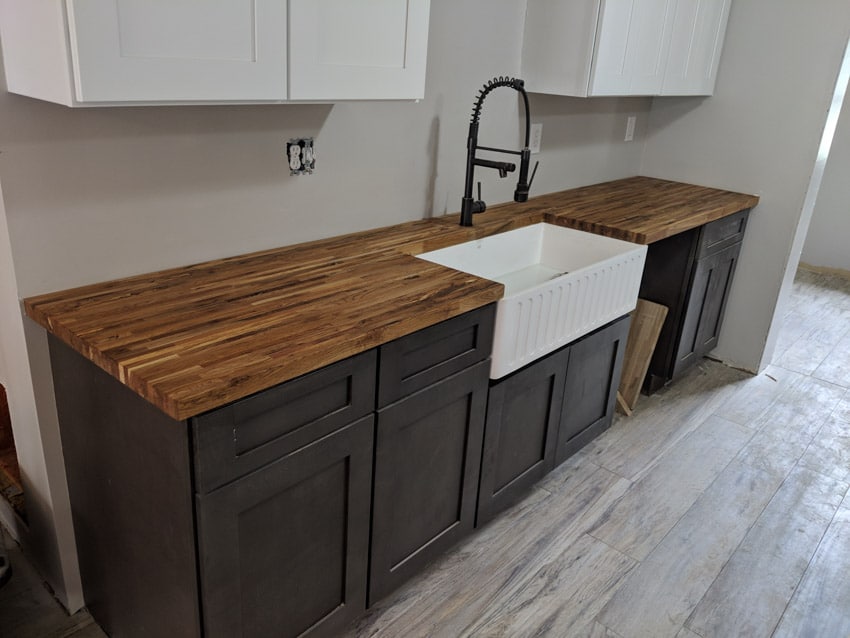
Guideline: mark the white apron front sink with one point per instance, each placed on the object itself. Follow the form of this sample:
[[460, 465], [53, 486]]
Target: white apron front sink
[[560, 284]]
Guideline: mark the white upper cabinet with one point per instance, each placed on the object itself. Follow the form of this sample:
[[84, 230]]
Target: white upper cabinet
[[186, 50], [356, 50], [623, 47], [101, 52], [632, 42], [698, 30]]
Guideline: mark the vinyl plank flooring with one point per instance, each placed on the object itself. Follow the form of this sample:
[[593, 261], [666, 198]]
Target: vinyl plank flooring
[[598, 630], [802, 409], [651, 507], [658, 596], [835, 367], [775, 452], [633, 445], [820, 606], [755, 395], [842, 410], [829, 452], [749, 596], [561, 597]]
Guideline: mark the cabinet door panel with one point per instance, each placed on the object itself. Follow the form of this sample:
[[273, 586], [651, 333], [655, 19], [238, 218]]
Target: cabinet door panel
[[593, 376], [523, 411], [180, 50], [284, 550], [706, 304], [357, 49], [427, 461], [698, 30], [631, 48]]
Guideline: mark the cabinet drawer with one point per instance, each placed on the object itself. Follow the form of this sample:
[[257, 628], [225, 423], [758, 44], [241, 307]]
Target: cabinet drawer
[[417, 360], [723, 233], [250, 433]]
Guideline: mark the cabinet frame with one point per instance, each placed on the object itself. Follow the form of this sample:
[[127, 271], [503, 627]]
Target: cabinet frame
[[676, 275]]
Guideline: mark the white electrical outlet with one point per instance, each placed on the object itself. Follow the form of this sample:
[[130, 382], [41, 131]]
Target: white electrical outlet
[[630, 128], [536, 137]]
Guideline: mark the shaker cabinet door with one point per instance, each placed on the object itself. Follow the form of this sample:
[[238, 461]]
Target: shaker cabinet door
[[590, 390], [284, 550], [523, 413], [699, 27], [357, 49], [704, 315], [178, 50], [632, 44]]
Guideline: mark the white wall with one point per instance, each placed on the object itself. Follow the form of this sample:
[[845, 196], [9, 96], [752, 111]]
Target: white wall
[[94, 194], [759, 133], [828, 242]]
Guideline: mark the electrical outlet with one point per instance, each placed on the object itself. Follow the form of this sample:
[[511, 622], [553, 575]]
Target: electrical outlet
[[630, 128], [536, 137], [301, 156]]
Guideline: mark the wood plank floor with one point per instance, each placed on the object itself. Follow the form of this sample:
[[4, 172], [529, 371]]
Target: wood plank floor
[[720, 508]]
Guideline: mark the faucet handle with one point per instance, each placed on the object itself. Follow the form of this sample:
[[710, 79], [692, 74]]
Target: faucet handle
[[479, 206], [533, 173]]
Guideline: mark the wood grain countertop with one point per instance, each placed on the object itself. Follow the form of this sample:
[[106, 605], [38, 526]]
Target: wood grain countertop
[[195, 338]]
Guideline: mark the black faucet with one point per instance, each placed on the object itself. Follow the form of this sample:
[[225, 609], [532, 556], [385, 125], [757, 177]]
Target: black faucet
[[469, 206]]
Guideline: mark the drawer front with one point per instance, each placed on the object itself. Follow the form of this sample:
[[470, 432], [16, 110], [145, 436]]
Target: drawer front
[[255, 431], [723, 233], [415, 361]]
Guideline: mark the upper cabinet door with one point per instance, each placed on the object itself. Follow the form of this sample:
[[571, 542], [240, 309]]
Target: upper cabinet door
[[699, 27], [632, 44], [357, 49], [178, 50]]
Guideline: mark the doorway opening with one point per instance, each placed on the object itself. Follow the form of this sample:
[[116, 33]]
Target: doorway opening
[[11, 487]]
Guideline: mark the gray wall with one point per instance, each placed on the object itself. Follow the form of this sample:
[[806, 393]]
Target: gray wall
[[760, 133], [94, 194], [828, 242]]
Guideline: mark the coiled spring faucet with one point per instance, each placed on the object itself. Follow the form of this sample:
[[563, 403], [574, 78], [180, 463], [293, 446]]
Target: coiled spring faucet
[[470, 206]]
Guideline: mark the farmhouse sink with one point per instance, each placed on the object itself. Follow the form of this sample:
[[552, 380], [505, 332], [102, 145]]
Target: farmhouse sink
[[560, 284]]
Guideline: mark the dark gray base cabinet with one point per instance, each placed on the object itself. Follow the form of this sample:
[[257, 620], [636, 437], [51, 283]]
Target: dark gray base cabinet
[[427, 459], [252, 520], [261, 518], [545, 412], [690, 273], [432, 397]]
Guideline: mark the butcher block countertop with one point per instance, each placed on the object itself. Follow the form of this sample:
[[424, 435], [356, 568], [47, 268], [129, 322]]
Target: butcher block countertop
[[196, 338]]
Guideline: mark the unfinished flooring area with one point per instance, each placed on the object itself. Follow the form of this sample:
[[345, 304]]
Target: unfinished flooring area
[[720, 508]]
